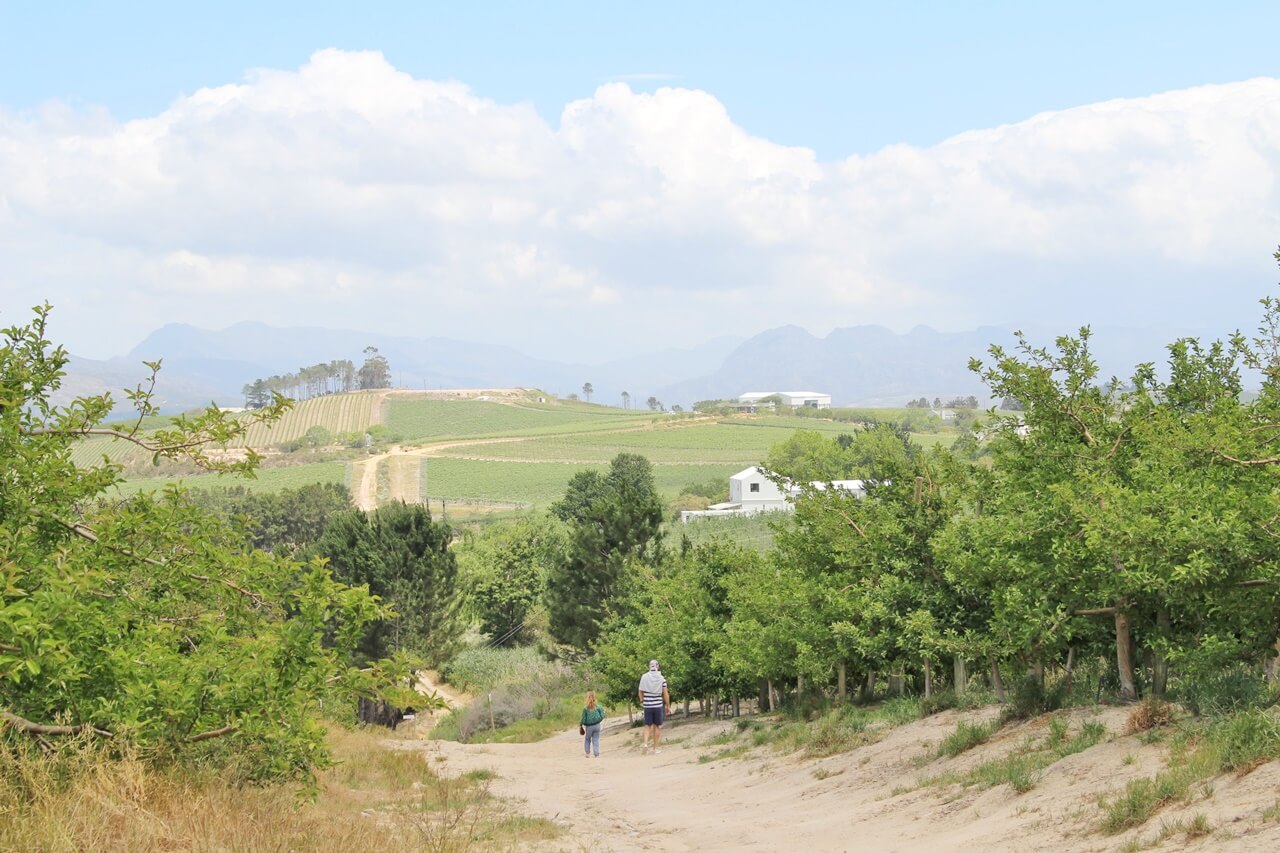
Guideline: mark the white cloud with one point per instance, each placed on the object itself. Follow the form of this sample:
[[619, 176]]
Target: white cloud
[[331, 194]]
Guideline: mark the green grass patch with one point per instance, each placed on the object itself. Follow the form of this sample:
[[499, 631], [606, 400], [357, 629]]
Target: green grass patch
[[433, 420], [834, 731], [563, 714], [1020, 770], [1199, 752], [732, 752], [540, 483], [966, 736]]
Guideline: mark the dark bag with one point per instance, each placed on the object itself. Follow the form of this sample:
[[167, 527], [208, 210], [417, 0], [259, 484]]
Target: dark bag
[[582, 730]]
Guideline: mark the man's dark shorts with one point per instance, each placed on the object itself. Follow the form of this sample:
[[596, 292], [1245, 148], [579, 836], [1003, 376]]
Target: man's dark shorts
[[653, 716]]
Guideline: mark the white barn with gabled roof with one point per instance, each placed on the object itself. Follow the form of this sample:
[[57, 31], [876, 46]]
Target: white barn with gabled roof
[[752, 491]]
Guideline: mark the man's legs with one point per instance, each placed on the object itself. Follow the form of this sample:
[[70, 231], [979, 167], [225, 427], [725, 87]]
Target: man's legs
[[657, 735]]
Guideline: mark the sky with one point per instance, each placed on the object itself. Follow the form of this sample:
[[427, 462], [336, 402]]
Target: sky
[[591, 180]]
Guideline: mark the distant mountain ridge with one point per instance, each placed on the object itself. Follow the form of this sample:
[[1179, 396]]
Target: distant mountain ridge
[[858, 365]]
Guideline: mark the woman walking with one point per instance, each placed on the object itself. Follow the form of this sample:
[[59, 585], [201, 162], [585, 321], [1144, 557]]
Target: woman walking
[[589, 726]]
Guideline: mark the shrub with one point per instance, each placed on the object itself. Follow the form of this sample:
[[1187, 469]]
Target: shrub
[[1031, 699], [483, 667], [1224, 691], [1245, 740], [943, 700], [1151, 713], [836, 732]]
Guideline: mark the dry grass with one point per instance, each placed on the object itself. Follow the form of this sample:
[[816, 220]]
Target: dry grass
[[1151, 713], [375, 798]]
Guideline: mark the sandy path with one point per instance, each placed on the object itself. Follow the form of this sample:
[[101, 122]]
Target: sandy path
[[364, 481], [628, 801]]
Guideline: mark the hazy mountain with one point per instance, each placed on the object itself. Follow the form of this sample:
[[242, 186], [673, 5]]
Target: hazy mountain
[[864, 365], [858, 365], [202, 364]]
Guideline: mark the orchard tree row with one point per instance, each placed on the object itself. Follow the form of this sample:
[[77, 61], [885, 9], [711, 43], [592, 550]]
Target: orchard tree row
[[1129, 523]]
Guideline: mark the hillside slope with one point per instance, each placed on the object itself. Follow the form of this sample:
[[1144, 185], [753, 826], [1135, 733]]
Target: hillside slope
[[867, 799]]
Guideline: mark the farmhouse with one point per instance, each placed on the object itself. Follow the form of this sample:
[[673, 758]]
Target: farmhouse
[[752, 492], [794, 399]]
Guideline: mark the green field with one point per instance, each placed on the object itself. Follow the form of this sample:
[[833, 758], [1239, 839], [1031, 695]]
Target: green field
[[541, 483], [433, 420], [739, 443], [537, 446]]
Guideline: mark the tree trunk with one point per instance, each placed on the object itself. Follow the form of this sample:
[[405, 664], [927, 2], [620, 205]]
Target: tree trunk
[[960, 675], [869, 687], [897, 684], [1069, 675], [799, 686], [1037, 672], [773, 696], [928, 678], [1124, 658], [764, 697], [997, 683], [1160, 665], [737, 708], [842, 691]]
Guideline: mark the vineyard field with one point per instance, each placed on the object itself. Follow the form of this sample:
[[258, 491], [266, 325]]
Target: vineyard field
[[268, 479], [338, 413], [722, 443], [425, 420], [541, 483]]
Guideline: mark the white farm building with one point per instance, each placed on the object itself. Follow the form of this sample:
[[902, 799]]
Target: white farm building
[[752, 492], [794, 399]]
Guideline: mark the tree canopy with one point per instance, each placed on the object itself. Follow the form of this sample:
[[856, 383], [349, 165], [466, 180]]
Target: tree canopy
[[146, 623]]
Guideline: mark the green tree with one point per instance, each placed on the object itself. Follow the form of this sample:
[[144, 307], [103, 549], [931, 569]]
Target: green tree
[[147, 622], [282, 521], [678, 617], [1122, 501], [403, 557], [504, 572], [587, 391], [318, 436], [614, 526], [376, 371]]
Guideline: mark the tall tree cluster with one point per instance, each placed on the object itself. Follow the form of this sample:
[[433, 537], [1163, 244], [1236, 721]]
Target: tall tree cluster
[[402, 556], [317, 380], [614, 520]]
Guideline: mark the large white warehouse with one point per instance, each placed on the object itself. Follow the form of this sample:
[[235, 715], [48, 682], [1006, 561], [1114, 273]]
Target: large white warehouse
[[794, 399]]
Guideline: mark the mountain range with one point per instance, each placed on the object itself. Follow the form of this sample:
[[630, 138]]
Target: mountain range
[[858, 365]]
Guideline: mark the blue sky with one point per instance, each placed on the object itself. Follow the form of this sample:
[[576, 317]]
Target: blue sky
[[841, 78], [592, 180]]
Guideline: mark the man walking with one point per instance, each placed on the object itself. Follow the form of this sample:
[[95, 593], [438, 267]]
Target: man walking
[[654, 699]]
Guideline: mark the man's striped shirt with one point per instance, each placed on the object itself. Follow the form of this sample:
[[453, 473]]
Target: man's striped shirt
[[651, 686]]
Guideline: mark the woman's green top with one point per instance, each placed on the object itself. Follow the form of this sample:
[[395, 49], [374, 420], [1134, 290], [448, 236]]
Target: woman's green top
[[590, 717]]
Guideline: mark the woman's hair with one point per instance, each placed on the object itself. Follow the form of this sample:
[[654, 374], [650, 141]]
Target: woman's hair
[[591, 699]]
